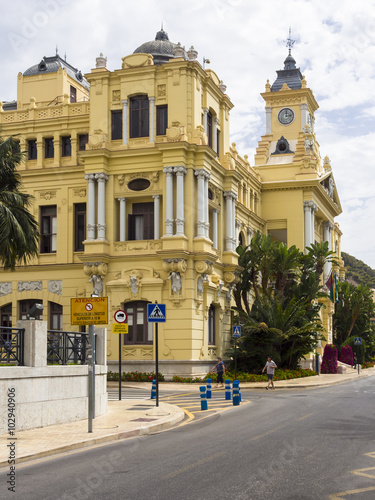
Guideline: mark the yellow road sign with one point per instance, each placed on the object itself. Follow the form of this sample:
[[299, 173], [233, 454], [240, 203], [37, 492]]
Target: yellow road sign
[[120, 328], [89, 311]]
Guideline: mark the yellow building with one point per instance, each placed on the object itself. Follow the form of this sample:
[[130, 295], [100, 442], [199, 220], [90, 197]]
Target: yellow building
[[141, 197]]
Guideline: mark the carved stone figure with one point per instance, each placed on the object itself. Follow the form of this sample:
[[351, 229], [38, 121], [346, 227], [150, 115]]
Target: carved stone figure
[[134, 284], [97, 284], [176, 281]]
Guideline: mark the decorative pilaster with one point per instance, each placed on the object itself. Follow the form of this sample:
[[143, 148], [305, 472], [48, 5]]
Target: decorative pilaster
[[230, 197], [215, 213], [303, 115], [156, 216], [207, 214], [205, 124], [122, 219], [125, 121], [250, 233], [151, 101], [91, 207], [169, 201], [309, 208], [101, 178], [268, 119], [180, 219]]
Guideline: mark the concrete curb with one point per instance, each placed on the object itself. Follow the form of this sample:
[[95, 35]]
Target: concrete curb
[[178, 416]]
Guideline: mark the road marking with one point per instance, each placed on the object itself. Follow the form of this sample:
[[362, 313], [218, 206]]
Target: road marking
[[306, 416], [358, 472], [267, 433], [351, 492], [194, 465]]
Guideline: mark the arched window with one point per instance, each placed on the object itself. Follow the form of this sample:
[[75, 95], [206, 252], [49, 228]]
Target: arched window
[[140, 330], [139, 116]]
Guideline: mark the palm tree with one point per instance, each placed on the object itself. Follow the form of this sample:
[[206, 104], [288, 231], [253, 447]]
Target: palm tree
[[19, 233]]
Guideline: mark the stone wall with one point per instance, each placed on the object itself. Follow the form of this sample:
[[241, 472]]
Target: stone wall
[[47, 395]]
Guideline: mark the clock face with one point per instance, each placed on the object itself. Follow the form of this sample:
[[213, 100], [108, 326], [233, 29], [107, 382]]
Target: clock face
[[285, 116]]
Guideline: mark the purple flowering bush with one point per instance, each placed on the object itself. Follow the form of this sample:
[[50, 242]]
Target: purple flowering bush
[[329, 362], [346, 355]]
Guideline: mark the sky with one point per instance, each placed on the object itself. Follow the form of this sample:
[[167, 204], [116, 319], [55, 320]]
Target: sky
[[245, 43]]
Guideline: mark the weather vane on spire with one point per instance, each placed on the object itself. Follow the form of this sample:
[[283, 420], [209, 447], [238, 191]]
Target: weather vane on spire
[[289, 42]]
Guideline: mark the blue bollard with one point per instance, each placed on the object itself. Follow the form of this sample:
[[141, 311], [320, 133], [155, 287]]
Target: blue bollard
[[239, 391], [153, 390], [228, 395], [236, 393], [204, 405], [209, 387]]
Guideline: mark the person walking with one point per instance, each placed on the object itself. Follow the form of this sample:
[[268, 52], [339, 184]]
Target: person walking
[[270, 366], [354, 361], [220, 370]]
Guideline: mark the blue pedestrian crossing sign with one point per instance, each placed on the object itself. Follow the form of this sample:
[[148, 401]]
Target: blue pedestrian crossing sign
[[236, 332], [357, 341], [156, 313]]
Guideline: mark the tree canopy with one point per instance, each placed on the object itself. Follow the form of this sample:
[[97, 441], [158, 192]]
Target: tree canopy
[[19, 232], [277, 301]]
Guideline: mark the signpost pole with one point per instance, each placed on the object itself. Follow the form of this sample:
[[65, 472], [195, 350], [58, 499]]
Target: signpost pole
[[119, 367], [157, 363], [91, 377], [235, 359]]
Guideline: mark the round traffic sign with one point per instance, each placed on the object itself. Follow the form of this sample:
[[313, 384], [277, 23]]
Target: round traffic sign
[[88, 306], [120, 316]]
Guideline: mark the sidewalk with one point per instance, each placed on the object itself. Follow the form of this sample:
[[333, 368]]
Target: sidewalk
[[131, 418]]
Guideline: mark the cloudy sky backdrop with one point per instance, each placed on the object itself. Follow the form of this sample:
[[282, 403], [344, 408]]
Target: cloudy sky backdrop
[[244, 40]]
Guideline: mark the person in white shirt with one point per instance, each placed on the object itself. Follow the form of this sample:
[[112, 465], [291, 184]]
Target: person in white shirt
[[270, 367]]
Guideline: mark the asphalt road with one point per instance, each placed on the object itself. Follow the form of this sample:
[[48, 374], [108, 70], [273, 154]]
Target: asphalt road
[[285, 445]]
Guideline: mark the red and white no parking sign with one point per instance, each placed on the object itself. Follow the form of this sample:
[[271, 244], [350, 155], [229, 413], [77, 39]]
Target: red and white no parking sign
[[120, 316]]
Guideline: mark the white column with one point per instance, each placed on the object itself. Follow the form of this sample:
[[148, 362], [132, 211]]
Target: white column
[[314, 209], [156, 216], [307, 205], [169, 201], [234, 230], [205, 124], [215, 212], [122, 218], [101, 179], [303, 115], [180, 208], [91, 207], [229, 220], [151, 101], [207, 213], [268, 119], [201, 227], [125, 121], [214, 142]]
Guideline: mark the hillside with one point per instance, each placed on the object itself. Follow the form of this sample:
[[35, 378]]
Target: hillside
[[358, 271]]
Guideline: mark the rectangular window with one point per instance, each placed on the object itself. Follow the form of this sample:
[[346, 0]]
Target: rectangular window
[[48, 148], [56, 316], [32, 149], [66, 146], [48, 224], [79, 226], [140, 330], [211, 325], [139, 117], [116, 125], [141, 222], [73, 94], [209, 128], [218, 142], [161, 119], [83, 139]]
